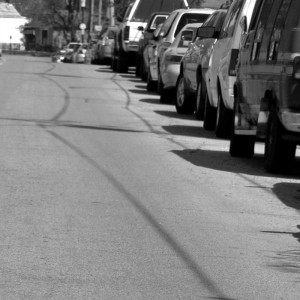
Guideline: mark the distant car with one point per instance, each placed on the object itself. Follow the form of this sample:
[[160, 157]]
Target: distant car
[[170, 62], [59, 56], [104, 46], [172, 26], [79, 55], [127, 38], [144, 42], [194, 65], [70, 48]]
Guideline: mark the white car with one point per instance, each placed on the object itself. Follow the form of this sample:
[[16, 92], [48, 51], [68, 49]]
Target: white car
[[222, 68], [171, 27], [128, 34], [170, 62]]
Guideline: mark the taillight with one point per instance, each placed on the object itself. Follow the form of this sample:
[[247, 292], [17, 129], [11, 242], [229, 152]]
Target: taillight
[[233, 61], [126, 33], [296, 67]]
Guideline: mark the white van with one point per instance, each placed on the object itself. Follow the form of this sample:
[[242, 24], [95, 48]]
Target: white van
[[128, 33], [221, 73]]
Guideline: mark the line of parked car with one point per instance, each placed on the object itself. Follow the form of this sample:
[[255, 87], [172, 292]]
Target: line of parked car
[[237, 68], [240, 74]]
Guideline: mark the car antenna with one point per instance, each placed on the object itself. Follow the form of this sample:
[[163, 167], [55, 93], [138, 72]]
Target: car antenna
[[186, 4]]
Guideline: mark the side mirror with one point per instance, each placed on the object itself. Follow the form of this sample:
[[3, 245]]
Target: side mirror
[[206, 32], [141, 28], [243, 23]]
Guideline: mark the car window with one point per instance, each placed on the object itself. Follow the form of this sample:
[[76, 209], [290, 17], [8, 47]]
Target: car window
[[111, 34], [186, 37], [189, 18], [127, 12], [261, 17], [146, 7], [230, 20], [168, 24], [157, 20], [291, 37], [277, 29]]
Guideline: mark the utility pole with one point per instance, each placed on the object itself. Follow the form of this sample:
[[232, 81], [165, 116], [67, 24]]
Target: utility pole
[[100, 13], [92, 16], [112, 12]]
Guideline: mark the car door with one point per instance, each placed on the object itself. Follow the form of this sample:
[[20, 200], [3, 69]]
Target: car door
[[192, 62], [221, 48]]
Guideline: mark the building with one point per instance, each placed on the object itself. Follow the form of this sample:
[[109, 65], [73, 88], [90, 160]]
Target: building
[[11, 27]]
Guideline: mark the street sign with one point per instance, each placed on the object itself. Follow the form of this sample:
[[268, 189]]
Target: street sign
[[98, 27], [82, 26]]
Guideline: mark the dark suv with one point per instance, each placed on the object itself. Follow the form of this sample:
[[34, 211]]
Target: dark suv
[[267, 90]]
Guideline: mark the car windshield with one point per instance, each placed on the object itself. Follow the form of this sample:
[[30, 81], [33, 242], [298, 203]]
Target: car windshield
[[189, 18], [146, 7]]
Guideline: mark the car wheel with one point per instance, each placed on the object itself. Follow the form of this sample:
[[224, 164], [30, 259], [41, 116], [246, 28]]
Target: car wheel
[[279, 154], [223, 120], [122, 65], [200, 100], [167, 96], [183, 103], [210, 114], [160, 85], [138, 66], [240, 145], [151, 84]]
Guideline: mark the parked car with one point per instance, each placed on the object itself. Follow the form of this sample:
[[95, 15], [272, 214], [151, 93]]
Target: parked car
[[80, 53], [58, 56], [170, 62], [144, 42], [128, 35], [151, 54], [222, 75], [267, 89], [193, 67], [171, 27], [70, 48], [176, 21]]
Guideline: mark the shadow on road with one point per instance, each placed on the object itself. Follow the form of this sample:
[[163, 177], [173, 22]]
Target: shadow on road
[[175, 115], [222, 161], [189, 131]]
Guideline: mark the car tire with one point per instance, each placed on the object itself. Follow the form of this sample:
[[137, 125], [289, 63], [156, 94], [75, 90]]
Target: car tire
[[160, 85], [210, 114], [200, 100], [122, 65], [183, 103], [223, 119], [151, 84], [167, 96], [279, 154]]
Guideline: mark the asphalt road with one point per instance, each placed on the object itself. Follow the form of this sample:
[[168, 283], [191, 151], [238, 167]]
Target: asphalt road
[[107, 194]]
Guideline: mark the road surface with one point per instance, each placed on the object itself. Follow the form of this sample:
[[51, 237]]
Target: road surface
[[107, 194]]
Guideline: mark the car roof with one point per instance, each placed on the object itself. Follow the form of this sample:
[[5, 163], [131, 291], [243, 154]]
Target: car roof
[[193, 10]]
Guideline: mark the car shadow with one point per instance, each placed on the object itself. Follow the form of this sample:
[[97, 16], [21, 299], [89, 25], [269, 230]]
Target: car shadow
[[152, 100], [175, 115], [191, 131], [136, 91], [138, 86], [222, 161], [104, 70]]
